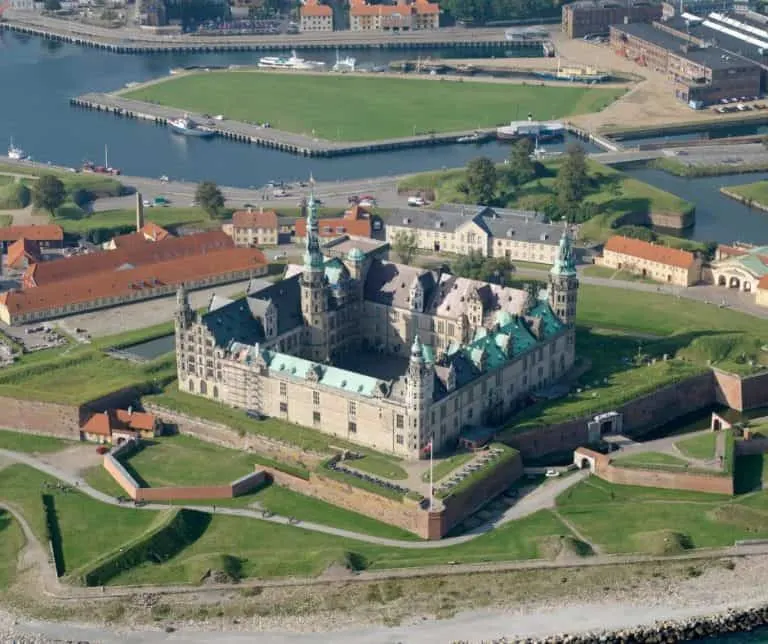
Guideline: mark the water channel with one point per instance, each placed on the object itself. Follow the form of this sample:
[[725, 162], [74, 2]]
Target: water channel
[[38, 77]]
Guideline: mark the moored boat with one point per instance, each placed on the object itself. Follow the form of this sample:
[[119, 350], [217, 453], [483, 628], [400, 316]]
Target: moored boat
[[541, 130], [476, 137], [16, 153], [188, 127]]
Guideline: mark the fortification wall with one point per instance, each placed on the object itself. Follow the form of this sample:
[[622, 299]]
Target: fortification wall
[[35, 417]]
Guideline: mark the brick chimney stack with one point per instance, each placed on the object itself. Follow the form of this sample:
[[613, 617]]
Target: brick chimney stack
[[139, 212]]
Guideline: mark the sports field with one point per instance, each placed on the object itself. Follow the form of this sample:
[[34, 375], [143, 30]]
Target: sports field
[[355, 108]]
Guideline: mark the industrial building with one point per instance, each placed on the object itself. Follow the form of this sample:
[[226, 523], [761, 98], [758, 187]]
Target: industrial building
[[594, 17]]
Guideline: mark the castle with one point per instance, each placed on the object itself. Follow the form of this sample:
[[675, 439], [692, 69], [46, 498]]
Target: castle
[[382, 354]]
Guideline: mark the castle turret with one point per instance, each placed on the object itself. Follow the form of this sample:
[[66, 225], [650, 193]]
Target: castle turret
[[419, 392], [314, 291], [563, 282], [184, 313]]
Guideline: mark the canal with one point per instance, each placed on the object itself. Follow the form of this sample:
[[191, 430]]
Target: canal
[[38, 77]]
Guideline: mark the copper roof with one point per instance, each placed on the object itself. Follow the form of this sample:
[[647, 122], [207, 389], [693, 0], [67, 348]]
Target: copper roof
[[43, 232], [651, 252], [22, 248], [125, 258], [255, 219], [105, 284]]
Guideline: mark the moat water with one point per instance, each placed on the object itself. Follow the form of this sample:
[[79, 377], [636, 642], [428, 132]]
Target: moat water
[[38, 78]]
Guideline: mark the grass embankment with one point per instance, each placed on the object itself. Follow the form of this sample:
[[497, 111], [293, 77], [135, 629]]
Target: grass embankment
[[444, 466], [11, 543], [31, 443], [76, 374], [661, 521], [613, 194], [701, 447], [652, 459], [691, 332], [692, 170], [752, 193], [350, 108]]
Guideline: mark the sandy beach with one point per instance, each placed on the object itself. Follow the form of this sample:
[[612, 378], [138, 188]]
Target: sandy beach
[[575, 605]]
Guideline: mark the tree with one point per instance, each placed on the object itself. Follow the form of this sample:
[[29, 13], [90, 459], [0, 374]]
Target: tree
[[521, 168], [404, 244], [474, 265], [481, 180], [48, 193], [572, 180], [210, 198]]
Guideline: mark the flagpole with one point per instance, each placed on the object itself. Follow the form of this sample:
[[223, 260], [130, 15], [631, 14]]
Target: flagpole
[[431, 449]]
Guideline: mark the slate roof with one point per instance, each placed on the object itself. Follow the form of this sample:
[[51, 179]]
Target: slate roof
[[241, 320], [390, 284]]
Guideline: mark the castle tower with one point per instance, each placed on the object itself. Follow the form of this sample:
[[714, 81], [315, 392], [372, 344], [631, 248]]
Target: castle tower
[[563, 282], [182, 321], [184, 313], [139, 212], [419, 391], [314, 291]]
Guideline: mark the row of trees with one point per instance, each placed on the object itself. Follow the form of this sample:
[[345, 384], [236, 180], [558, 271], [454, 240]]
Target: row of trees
[[483, 11], [49, 193]]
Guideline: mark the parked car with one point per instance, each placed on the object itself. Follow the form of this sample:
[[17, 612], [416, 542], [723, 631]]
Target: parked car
[[551, 474], [416, 201]]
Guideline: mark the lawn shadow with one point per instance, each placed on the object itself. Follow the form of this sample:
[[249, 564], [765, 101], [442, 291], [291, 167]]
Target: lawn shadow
[[53, 532]]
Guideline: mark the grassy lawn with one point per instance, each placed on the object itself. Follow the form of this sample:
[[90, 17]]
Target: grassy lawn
[[756, 192], [599, 510], [23, 442], [379, 466], [444, 466], [119, 221], [325, 106], [701, 447], [97, 185], [87, 527], [651, 458], [11, 543]]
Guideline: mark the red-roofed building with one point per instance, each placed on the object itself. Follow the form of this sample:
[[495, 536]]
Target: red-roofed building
[[315, 16], [355, 221], [118, 425], [106, 288], [22, 253], [251, 228], [46, 235], [761, 296], [660, 263], [148, 233], [402, 16]]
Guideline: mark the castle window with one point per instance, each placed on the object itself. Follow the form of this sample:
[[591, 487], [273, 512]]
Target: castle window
[[315, 417], [283, 389], [315, 397], [352, 409], [352, 427], [283, 408], [399, 421], [399, 439]]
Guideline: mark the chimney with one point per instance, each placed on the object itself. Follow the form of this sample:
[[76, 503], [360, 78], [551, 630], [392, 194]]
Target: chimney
[[130, 411], [139, 212], [250, 210], [261, 209]]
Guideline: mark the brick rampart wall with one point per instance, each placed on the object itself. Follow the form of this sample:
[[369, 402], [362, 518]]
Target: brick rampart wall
[[226, 436], [754, 391], [728, 389], [640, 415], [35, 417], [696, 482], [401, 514]]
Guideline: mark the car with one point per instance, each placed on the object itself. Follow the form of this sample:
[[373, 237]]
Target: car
[[252, 413], [416, 201], [551, 474], [366, 203]]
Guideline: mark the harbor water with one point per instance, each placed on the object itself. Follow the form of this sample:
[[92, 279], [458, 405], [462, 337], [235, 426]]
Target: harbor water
[[39, 77]]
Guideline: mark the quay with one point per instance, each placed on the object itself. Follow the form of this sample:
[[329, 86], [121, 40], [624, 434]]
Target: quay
[[135, 41], [293, 143]]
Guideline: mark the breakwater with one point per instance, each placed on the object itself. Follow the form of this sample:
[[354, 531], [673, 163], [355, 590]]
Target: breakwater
[[665, 632], [266, 137]]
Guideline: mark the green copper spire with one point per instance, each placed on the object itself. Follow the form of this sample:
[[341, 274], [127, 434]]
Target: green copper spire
[[564, 262], [313, 258]]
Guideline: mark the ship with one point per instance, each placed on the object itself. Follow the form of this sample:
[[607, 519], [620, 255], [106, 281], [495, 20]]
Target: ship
[[16, 153], [540, 130], [475, 137], [575, 73], [188, 127], [346, 64], [293, 62]]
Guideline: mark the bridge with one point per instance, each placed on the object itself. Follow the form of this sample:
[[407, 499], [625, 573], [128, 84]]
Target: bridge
[[626, 156]]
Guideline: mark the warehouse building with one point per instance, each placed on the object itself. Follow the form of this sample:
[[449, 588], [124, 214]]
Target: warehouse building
[[594, 17]]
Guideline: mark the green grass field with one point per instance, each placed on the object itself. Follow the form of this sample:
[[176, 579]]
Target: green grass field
[[379, 466], [98, 185], [115, 221], [444, 466], [23, 442], [701, 447], [652, 459], [610, 273], [756, 192], [11, 543], [349, 108]]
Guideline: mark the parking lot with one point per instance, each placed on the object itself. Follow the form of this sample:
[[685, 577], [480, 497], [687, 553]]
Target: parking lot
[[708, 155]]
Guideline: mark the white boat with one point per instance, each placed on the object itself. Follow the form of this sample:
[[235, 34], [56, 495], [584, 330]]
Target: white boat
[[188, 127], [541, 130], [17, 154], [346, 64], [475, 137], [293, 62]]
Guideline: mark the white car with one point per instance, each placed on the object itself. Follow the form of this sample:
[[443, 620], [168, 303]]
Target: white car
[[416, 201], [550, 474], [366, 203]]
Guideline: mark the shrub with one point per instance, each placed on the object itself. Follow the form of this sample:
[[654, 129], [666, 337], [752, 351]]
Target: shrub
[[14, 196]]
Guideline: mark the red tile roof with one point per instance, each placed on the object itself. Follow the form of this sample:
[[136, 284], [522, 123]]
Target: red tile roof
[[20, 249], [763, 283], [43, 232], [94, 286], [154, 232], [104, 423], [129, 240], [339, 226], [314, 8], [125, 258], [651, 252], [731, 251], [255, 219]]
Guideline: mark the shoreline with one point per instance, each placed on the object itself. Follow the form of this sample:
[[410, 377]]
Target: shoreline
[[749, 203]]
